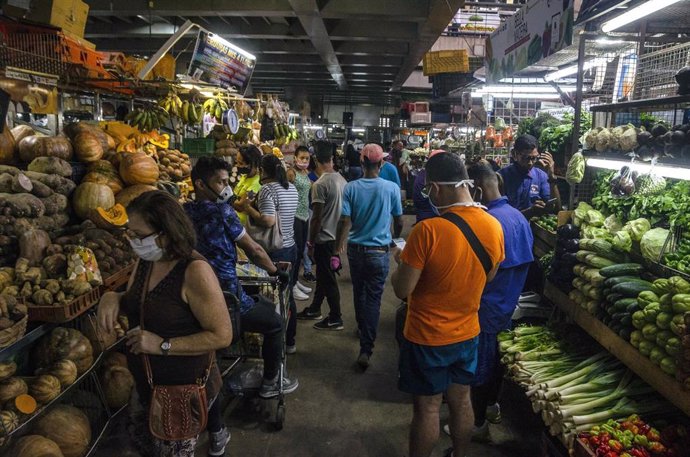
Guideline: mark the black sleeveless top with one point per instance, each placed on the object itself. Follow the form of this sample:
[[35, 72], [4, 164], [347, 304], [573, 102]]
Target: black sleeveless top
[[168, 316]]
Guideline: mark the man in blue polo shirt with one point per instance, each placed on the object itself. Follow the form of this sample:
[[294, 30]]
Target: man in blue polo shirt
[[529, 188], [500, 296], [368, 206]]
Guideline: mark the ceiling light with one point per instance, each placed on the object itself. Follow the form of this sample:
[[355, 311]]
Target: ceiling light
[[668, 172], [539, 89], [633, 14], [537, 96], [571, 70]]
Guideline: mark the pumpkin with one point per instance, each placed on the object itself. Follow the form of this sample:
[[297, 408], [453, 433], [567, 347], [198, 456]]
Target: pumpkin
[[65, 370], [74, 129], [128, 194], [104, 172], [22, 131], [45, 388], [89, 196], [112, 144], [11, 388], [138, 168], [23, 405], [8, 422], [7, 147], [109, 218], [68, 427], [118, 383], [115, 359], [87, 148], [35, 446], [7, 369], [63, 343], [44, 146]]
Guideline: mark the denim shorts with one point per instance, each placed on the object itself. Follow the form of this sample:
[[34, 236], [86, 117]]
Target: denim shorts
[[488, 359], [429, 370]]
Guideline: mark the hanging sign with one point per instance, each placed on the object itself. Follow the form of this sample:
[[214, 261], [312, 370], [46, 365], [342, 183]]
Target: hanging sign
[[535, 31], [217, 61]]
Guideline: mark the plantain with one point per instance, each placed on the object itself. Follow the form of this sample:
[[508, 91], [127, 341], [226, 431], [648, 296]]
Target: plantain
[[185, 112]]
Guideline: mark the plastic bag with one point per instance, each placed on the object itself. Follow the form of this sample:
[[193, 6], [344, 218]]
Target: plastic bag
[[576, 169], [623, 183], [82, 266], [246, 379]]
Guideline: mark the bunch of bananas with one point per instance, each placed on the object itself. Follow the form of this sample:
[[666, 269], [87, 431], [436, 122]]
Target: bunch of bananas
[[215, 107], [192, 113], [284, 134], [148, 119], [172, 104]]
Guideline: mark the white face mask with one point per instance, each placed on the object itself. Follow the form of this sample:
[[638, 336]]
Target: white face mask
[[464, 182], [225, 195], [147, 248]]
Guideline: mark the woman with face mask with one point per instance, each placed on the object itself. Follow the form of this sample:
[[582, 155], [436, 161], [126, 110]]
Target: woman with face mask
[[248, 163], [183, 319]]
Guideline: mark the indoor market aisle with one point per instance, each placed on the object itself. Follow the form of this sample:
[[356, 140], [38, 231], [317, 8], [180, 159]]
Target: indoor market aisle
[[338, 411]]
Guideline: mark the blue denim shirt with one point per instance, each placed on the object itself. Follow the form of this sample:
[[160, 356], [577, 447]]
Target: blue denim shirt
[[523, 189]]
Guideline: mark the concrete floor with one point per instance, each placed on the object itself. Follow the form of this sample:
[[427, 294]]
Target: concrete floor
[[338, 411]]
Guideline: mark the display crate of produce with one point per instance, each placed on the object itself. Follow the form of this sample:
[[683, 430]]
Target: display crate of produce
[[13, 334], [420, 118], [32, 47], [60, 314], [455, 61], [198, 147], [580, 449], [545, 236], [666, 385], [119, 279]]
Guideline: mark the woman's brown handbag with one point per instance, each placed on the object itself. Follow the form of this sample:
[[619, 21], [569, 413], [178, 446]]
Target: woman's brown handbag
[[176, 412]]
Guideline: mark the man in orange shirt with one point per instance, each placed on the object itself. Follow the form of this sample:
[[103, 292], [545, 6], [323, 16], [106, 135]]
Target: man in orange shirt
[[442, 272]]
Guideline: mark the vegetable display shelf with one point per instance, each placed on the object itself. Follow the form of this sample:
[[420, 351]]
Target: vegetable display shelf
[[61, 314], [581, 450], [643, 104], [544, 240], [621, 349]]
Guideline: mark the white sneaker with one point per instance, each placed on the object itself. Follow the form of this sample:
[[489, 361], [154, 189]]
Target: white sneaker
[[298, 294], [303, 288], [479, 434]]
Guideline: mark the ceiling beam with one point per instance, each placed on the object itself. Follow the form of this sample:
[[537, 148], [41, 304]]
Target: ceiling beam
[[236, 8], [308, 13], [364, 30], [398, 10], [440, 14]]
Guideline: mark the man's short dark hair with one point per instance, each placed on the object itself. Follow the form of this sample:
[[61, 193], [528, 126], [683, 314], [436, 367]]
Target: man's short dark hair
[[525, 143], [368, 165], [206, 167], [323, 152], [251, 156], [482, 172], [445, 167], [301, 148]]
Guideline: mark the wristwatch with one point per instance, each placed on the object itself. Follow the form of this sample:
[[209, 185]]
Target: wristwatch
[[165, 346]]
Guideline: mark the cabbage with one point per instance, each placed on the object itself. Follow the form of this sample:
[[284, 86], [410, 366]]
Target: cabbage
[[576, 169], [622, 241], [594, 217], [637, 228], [604, 139], [613, 224], [652, 243], [580, 213], [596, 233], [628, 141]]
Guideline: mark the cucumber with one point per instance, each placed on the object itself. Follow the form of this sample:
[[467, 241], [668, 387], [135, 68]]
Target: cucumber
[[610, 282], [613, 298], [599, 262], [622, 304], [623, 269], [632, 308], [631, 289]]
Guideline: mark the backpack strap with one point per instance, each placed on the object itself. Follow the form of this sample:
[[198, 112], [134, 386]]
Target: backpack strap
[[475, 244]]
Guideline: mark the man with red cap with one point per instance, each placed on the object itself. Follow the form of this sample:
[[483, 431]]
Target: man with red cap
[[369, 204]]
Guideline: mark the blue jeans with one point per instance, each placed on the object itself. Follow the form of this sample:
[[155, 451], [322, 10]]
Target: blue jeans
[[289, 255], [369, 270]]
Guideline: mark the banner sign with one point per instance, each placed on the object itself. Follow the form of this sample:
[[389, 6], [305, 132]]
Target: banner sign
[[535, 31], [217, 61]]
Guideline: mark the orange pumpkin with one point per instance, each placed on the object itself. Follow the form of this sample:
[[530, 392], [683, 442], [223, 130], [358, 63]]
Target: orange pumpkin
[[7, 146], [114, 217], [87, 147], [104, 172], [128, 194], [138, 168], [88, 196]]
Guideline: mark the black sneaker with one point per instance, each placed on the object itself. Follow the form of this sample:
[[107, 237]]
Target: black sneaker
[[308, 315], [363, 361], [309, 277], [328, 324]]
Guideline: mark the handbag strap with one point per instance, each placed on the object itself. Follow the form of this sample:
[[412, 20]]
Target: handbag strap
[[469, 234], [147, 362]]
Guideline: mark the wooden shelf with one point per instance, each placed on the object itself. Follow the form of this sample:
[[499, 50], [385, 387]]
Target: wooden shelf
[[642, 104], [622, 350]]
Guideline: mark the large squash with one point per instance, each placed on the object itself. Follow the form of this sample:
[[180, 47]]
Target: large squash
[[118, 383], [8, 422], [45, 146], [68, 427], [22, 131], [138, 168], [45, 388], [73, 130], [128, 194], [7, 146], [88, 196], [36, 446], [63, 343], [87, 147], [104, 172], [65, 370], [115, 217], [11, 388]]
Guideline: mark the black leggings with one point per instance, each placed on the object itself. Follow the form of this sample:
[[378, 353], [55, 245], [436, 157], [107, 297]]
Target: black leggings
[[485, 395], [262, 318], [215, 416]]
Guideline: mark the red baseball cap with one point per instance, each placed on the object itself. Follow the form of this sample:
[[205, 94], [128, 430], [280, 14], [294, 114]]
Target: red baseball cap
[[373, 152]]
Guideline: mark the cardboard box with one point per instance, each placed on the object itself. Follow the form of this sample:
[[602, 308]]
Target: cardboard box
[[69, 15]]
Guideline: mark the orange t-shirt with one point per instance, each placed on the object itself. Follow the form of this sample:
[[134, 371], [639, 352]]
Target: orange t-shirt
[[443, 307]]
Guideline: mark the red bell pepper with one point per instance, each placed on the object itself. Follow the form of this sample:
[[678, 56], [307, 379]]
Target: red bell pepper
[[653, 435], [602, 450], [656, 447], [615, 445], [643, 429]]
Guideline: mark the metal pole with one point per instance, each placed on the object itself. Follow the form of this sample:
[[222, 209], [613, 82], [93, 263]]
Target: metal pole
[[578, 95]]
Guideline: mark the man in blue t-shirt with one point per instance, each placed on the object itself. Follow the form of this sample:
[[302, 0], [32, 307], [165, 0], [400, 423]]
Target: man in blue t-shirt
[[368, 206], [500, 296], [389, 173], [529, 188], [219, 233]]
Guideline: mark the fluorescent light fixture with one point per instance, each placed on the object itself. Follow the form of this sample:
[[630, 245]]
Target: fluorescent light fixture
[[358, 130], [537, 96], [232, 46], [633, 14], [313, 127], [543, 89], [571, 70], [666, 171]]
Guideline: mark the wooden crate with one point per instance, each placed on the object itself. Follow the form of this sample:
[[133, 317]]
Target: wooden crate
[[581, 450]]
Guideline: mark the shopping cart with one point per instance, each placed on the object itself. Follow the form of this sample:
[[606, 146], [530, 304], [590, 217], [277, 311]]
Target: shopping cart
[[240, 364]]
